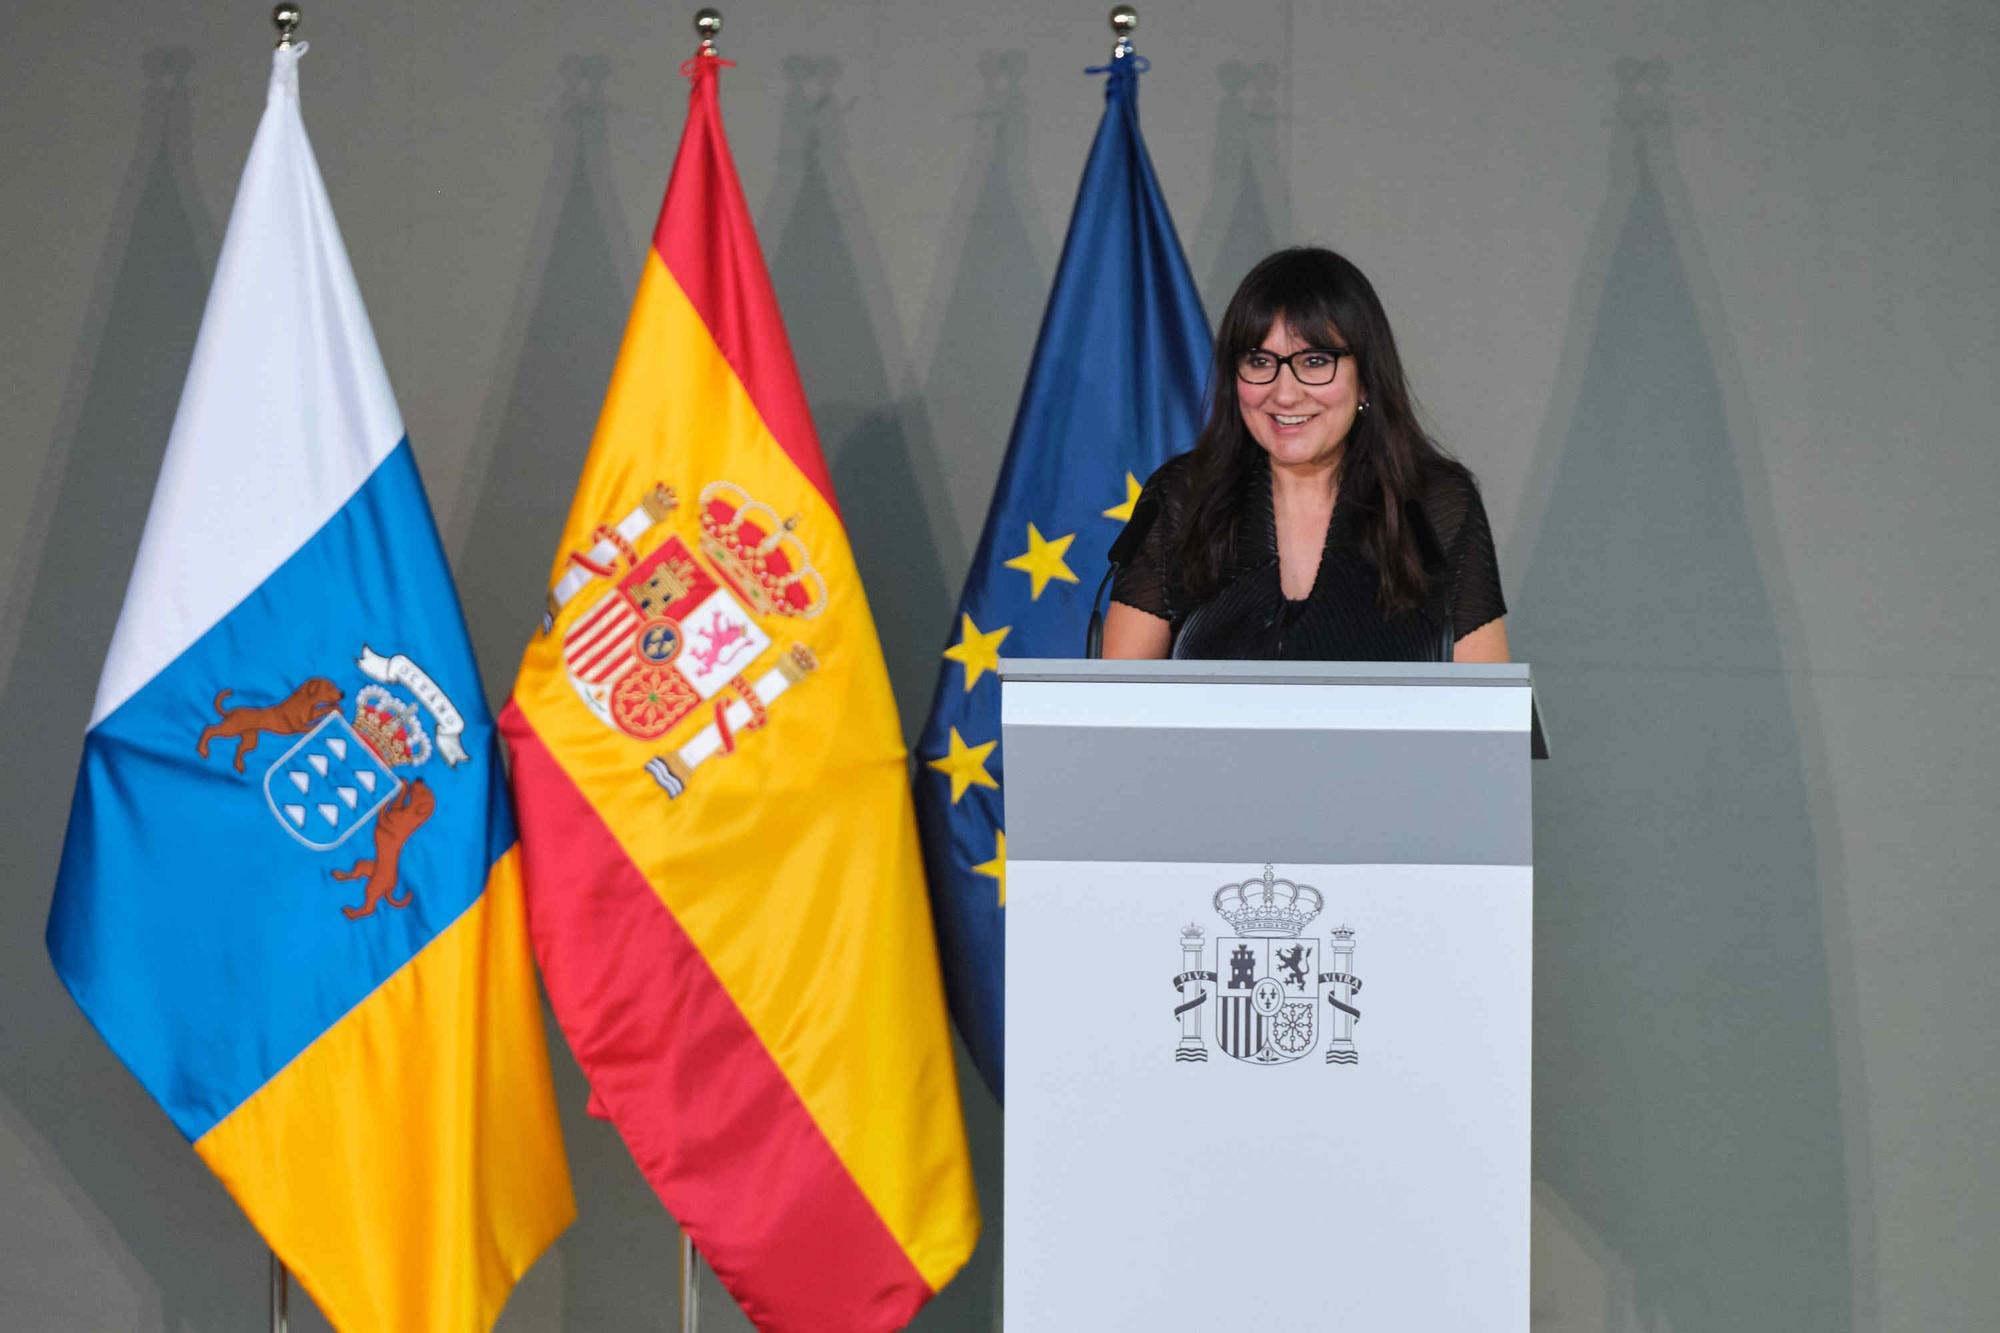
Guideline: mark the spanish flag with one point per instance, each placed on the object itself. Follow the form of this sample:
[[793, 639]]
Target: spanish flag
[[724, 885]]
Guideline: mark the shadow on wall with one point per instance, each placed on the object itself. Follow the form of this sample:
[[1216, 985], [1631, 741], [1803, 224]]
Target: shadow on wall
[[536, 429], [886, 460], [575, 294], [618, 1258], [175, 1232], [844, 333], [985, 308], [1249, 209], [1686, 1107]]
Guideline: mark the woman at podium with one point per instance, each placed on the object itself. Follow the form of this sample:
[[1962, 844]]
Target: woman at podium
[[1313, 520]]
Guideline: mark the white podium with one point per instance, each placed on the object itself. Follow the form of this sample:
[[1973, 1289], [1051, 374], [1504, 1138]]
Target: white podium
[[1269, 949]]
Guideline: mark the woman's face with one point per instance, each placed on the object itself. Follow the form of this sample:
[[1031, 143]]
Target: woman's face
[[1299, 425]]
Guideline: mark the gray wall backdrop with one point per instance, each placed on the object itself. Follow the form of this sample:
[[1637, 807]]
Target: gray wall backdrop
[[1705, 292]]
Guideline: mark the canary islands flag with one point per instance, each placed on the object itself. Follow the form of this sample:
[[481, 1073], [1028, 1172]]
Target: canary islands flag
[[721, 856], [290, 898], [1113, 391]]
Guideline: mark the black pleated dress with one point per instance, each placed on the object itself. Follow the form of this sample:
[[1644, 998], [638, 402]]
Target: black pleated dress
[[1339, 620]]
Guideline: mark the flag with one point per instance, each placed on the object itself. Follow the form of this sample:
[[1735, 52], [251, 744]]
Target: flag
[[1113, 391], [724, 882], [289, 898]]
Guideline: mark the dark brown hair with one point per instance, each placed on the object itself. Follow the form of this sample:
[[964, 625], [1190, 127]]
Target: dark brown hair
[[1326, 302]]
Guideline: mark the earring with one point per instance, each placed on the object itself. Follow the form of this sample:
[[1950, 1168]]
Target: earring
[[1363, 408]]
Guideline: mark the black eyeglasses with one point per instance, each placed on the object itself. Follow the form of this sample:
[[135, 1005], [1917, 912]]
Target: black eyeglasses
[[1310, 365]]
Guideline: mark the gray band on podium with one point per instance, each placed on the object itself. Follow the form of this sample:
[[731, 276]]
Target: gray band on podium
[[1373, 801]]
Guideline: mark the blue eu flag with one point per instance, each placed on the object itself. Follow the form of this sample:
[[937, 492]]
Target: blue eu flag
[[1114, 391]]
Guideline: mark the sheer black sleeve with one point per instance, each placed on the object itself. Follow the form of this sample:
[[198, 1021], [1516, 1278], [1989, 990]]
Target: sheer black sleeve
[[1145, 582], [1458, 516]]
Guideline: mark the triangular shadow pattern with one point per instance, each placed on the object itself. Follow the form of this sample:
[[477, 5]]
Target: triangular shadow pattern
[[539, 420], [830, 285], [882, 451], [1686, 1095], [169, 1214], [1248, 213], [992, 281], [575, 293]]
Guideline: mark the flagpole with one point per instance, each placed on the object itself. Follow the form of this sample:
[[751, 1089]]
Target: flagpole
[[1123, 20], [690, 1285], [280, 1293], [285, 18], [707, 26]]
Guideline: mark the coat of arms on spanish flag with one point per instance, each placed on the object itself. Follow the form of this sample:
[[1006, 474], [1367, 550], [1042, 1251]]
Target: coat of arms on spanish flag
[[724, 884]]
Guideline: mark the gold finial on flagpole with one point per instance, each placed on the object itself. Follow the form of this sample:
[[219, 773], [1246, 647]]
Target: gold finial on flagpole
[[1124, 19], [708, 22], [287, 18]]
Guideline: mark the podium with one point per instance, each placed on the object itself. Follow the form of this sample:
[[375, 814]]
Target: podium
[[1269, 960]]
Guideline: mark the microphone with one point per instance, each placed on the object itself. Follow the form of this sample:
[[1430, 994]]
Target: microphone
[[1145, 513]]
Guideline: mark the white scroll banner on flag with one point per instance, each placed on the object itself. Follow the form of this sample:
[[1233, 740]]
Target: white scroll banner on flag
[[400, 670]]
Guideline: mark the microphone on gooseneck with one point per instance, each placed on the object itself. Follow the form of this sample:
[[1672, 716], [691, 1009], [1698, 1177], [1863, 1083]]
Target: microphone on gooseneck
[[1447, 637], [1145, 512]]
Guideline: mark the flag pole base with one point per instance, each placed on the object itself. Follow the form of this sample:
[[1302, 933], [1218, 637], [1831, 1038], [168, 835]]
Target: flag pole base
[[690, 1285], [281, 1291]]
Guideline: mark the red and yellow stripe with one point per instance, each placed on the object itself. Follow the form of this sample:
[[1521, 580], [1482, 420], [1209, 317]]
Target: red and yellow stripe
[[747, 973]]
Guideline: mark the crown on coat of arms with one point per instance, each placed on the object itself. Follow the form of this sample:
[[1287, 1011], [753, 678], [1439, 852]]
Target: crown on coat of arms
[[1268, 906], [758, 553], [1342, 933], [393, 728], [659, 502]]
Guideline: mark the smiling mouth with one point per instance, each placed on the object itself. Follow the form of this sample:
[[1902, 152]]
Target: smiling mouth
[[1283, 420]]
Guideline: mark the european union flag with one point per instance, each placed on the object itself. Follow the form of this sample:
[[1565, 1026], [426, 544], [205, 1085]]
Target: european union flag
[[1113, 391]]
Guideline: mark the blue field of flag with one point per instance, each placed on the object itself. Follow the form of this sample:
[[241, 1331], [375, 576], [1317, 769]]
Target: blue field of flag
[[1113, 391]]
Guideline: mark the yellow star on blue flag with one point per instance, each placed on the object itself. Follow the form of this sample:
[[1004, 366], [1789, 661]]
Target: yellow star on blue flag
[[978, 653], [1114, 390], [1043, 560], [1123, 510], [997, 867], [965, 765]]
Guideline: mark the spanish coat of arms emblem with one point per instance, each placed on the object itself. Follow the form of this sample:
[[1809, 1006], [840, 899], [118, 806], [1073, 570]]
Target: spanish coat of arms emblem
[[673, 633], [1266, 981]]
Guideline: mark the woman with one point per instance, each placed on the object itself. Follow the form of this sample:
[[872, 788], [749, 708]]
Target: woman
[[1313, 520]]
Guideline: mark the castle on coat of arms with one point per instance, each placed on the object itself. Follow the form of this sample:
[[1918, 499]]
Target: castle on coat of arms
[[688, 627]]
